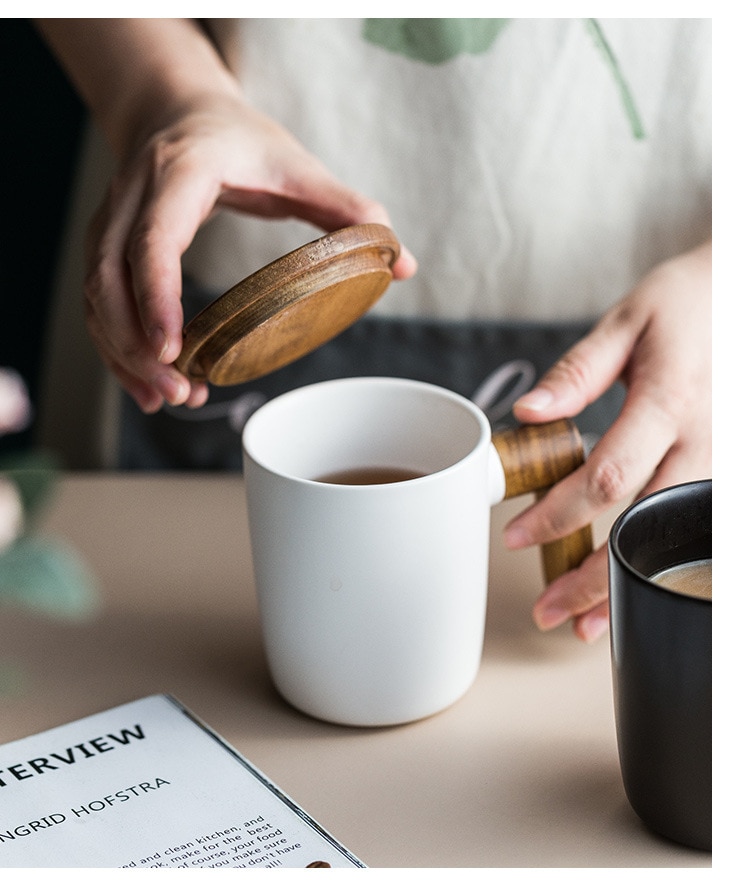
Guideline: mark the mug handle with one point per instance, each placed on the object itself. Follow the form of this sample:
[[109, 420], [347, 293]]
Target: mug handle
[[534, 457]]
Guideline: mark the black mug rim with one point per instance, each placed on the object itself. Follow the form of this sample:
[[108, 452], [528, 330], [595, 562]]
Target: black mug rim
[[633, 509]]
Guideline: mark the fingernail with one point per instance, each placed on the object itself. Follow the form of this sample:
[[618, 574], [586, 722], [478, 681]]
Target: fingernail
[[516, 537], [406, 253], [536, 399], [173, 388], [591, 628], [198, 397], [159, 342], [405, 266], [550, 617]]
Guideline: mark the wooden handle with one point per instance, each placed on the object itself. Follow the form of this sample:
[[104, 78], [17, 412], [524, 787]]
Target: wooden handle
[[534, 457]]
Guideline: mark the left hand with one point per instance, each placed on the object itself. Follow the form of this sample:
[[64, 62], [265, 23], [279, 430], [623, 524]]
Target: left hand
[[657, 341]]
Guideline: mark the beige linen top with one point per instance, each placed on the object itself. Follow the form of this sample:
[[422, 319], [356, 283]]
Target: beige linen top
[[535, 167]]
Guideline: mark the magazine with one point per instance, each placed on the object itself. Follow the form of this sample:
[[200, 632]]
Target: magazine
[[148, 785]]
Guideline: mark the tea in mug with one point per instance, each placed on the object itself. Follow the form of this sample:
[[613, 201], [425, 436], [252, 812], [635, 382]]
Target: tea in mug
[[692, 578], [369, 476]]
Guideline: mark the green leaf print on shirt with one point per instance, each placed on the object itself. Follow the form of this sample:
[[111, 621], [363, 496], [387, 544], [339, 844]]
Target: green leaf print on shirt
[[437, 40], [433, 40], [628, 103]]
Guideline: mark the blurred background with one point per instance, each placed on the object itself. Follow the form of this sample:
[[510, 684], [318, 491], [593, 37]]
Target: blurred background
[[43, 127], [43, 123]]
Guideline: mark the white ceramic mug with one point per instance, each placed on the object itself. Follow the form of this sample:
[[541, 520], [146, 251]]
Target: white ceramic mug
[[372, 597]]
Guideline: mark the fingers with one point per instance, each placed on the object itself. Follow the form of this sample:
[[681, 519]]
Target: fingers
[[620, 468], [219, 152], [619, 465], [176, 201], [275, 176], [581, 595], [657, 341], [662, 435], [329, 204], [585, 372], [133, 289], [591, 626], [361, 210], [296, 184]]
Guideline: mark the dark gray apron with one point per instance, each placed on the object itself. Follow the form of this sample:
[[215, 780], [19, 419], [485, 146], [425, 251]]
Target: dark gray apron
[[492, 363]]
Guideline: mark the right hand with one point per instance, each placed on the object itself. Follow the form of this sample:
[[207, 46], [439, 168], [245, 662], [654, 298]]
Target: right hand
[[217, 152]]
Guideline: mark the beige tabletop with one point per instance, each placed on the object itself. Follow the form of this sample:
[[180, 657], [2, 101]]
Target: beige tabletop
[[521, 772]]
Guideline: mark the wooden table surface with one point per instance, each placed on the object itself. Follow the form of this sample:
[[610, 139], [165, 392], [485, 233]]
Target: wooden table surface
[[521, 772]]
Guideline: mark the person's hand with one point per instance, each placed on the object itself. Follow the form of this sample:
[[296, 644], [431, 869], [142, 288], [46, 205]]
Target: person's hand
[[14, 414], [187, 144], [217, 152], [657, 340]]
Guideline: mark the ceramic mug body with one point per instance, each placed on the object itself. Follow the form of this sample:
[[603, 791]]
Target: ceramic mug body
[[661, 662], [372, 598]]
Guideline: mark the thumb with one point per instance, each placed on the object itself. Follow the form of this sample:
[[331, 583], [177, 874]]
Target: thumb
[[343, 206], [581, 375], [317, 196]]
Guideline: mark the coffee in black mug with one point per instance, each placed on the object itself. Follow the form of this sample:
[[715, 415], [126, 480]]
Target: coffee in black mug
[[661, 659]]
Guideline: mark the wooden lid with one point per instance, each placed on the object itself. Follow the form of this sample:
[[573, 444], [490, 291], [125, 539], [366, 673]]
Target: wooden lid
[[290, 307]]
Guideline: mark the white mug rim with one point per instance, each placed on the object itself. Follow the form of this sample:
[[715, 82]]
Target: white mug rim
[[482, 441]]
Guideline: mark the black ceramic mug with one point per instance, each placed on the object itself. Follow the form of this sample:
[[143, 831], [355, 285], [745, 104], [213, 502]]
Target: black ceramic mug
[[661, 662]]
